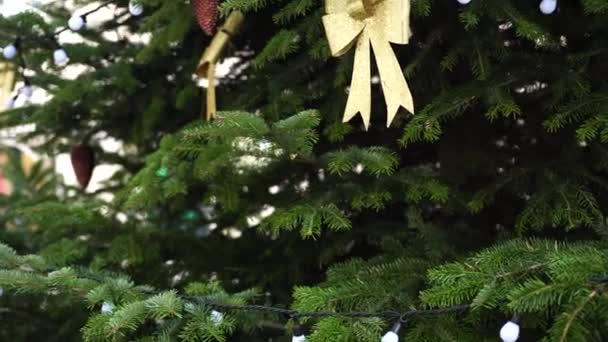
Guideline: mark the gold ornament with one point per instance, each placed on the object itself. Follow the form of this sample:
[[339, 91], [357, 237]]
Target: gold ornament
[[7, 82], [207, 65], [379, 23]]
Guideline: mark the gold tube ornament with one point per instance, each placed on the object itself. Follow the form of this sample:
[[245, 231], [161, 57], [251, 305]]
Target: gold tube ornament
[[7, 83], [207, 65]]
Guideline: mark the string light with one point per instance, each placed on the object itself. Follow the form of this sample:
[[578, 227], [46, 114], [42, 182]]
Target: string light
[[217, 317], [107, 308], [77, 22], [135, 8], [10, 102], [162, 172], [298, 332], [26, 90], [510, 331], [10, 51], [60, 56], [548, 6], [393, 334]]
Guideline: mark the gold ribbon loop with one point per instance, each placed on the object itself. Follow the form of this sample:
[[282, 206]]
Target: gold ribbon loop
[[376, 23], [342, 32]]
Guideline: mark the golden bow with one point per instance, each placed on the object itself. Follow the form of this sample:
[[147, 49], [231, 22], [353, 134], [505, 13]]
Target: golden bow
[[379, 22]]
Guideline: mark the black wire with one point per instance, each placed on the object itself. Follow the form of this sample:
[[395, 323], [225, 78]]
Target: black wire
[[84, 15], [402, 317], [295, 314], [23, 67], [600, 278]]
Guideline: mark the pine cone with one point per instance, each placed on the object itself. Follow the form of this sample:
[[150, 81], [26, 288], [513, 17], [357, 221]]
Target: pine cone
[[83, 163], [206, 12]]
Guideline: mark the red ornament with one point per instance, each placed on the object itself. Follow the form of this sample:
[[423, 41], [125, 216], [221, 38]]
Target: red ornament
[[206, 12], [83, 162]]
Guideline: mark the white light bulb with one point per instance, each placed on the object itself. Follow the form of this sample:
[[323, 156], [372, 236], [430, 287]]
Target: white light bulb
[[464, 2], [217, 317], [300, 338], [10, 103], [136, 9], [26, 91], [509, 332], [390, 337], [107, 307], [76, 23], [548, 6], [9, 51], [60, 56]]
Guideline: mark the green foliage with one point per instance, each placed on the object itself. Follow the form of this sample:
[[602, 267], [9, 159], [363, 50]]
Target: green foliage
[[377, 161], [308, 219], [281, 45], [293, 10], [595, 6], [533, 277], [202, 328]]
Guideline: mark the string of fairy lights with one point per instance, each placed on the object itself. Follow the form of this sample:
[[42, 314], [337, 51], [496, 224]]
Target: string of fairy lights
[[60, 56], [546, 6], [509, 332]]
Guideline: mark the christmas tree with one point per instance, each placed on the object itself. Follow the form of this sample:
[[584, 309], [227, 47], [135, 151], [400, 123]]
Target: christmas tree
[[477, 217]]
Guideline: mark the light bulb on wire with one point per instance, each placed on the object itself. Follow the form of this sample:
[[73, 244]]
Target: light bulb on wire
[[217, 317], [464, 2], [548, 6], [10, 102], [9, 51], [392, 335], [135, 8], [26, 91], [298, 333], [76, 22], [300, 338], [510, 331], [60, 56], [107, 308]]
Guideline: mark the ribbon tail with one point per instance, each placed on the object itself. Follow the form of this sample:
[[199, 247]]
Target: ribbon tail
[[359, 97], [396, 91]]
